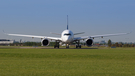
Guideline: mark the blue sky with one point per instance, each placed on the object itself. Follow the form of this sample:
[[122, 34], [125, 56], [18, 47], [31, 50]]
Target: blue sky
[[94, 17]]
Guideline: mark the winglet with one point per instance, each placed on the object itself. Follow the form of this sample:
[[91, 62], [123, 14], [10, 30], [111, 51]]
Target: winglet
[[4, 32], [129, 32], [67, 22]]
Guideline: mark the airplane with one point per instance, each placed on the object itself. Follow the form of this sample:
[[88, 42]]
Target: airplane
[[67, 37]]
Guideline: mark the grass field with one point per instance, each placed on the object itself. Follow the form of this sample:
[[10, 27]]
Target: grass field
[[67, 62]]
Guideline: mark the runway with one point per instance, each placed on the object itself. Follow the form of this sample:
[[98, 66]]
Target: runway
[[35, 47]]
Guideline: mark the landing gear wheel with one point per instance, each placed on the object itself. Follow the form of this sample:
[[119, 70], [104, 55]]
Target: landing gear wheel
[[78, 44], [67, 45], [56, 45]]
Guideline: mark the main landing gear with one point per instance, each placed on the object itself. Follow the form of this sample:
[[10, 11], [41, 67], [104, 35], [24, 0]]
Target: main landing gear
[[78, 44], [56, 45], [67, 45]]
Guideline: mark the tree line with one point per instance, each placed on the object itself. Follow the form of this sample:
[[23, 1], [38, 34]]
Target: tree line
[[30, 44], [110, 44]]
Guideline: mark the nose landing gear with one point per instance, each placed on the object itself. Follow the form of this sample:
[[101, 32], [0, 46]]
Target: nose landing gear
[[67, 45]]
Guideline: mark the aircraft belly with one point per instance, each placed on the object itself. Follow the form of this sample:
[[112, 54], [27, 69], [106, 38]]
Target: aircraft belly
[[67, 41]]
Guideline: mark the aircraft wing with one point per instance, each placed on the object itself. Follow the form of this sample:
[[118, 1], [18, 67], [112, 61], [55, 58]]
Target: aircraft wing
[[98, 36], [33, 36]]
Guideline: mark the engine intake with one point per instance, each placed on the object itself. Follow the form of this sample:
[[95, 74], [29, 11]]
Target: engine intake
[[45, 42], [89, 42]]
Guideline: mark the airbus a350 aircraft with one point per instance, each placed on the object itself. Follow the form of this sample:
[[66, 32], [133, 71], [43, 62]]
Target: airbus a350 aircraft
[[67, 37]]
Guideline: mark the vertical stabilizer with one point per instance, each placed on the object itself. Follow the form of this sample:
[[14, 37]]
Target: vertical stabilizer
[[67, 22]]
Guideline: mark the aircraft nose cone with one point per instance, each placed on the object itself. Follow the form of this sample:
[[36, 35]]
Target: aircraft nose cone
[[66, 39]]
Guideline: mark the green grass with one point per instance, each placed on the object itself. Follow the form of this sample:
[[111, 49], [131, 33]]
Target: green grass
[[67, 62]]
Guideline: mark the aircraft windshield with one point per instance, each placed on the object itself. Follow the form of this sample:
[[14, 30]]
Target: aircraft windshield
[[67, 34]]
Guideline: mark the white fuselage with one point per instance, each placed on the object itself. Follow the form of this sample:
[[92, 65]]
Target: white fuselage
[[67, 36]]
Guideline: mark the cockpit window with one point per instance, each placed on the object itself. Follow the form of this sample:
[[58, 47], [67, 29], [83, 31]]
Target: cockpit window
[[67, 34]]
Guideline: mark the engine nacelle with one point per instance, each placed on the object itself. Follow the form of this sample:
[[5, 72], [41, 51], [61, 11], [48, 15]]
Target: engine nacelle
[[89, 42], [45, 42]]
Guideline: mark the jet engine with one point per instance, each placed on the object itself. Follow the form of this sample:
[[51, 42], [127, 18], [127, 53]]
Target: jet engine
[[89, 42], [45, 42]]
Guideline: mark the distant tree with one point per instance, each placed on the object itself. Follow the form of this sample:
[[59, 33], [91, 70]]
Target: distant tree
[[120, 44], [129, 45], [112, 45], [125, 45], [109, 43], [132, 45], [32, 44], [116, 44], [52, 43]]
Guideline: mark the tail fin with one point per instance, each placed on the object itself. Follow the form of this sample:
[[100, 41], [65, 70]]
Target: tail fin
[[67, 22]]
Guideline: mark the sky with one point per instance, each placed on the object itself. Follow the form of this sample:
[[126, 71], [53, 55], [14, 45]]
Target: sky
[[94, 17]]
